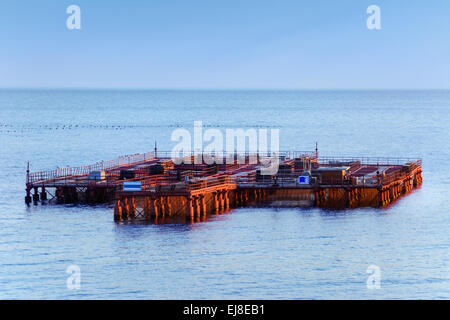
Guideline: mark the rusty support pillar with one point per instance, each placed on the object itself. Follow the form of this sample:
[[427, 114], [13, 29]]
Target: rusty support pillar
[[59, 195], [147, 207], [189, 209], [125, 209], [36, 195], [196, 206], [221, 200], [349, 199], [28, 195], [132, 208], [237, 197], [155, 207], [117, 211], [161, 206], [215, 202], [43, 194], [226, 200], [168, 206], [203, 205]]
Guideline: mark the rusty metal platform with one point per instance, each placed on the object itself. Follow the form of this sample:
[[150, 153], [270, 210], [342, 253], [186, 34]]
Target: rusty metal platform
[[194, 190]]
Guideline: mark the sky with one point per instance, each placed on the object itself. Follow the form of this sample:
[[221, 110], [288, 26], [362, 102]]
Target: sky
[[225, 44]]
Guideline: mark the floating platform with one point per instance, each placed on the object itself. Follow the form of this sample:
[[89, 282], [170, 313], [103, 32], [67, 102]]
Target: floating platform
[[151, 186]]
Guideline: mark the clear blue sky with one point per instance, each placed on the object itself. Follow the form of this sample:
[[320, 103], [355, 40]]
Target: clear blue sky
[[225, 44]]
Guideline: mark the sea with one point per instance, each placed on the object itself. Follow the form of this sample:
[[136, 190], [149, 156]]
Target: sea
[[401, 252]]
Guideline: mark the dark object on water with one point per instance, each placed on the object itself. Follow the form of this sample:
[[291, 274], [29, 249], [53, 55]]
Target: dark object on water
[[261, 177], [156, 169], [127, 174]]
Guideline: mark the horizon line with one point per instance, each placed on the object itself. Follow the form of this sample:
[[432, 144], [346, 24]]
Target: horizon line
[[220, 89]]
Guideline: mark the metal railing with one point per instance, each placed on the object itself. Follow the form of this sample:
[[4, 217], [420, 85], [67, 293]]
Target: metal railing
[[210, 182], [131, 160], [112, 167], [370, 160], [122, 161]]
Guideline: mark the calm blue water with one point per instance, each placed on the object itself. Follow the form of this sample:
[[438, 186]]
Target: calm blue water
[[248, 253]]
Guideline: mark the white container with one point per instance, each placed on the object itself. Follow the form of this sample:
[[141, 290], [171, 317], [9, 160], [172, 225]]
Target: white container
[[132, 186]]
